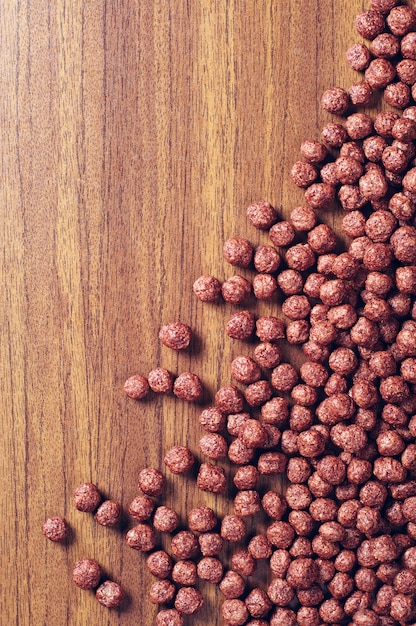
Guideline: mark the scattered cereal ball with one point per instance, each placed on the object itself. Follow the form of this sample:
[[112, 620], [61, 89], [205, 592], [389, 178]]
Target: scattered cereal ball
[[358, 57], [207, 288], [234, 612], [335, 100], [261, 215], [211, 478], [245, 370], [179, 459], [55, 529], [320, 195], [108, 513], [141, 508], [282, 234], [87, 497], [238, 251], [240, 325], [188, 601], [165, 519], [212, 420], [379, 73], [266, 259], [160, 380], [369, 24], [175, 335], [303, 173], [213, 446], [110, 594], [360, 94], [264, 286], [201, 519], [313, 151], [401, 20], [162, 592], [210, 569], [151, 481], [137, 387], [141, 537], [236, 289], [229, 399], [86, 573], [169, 617], [188, 386]]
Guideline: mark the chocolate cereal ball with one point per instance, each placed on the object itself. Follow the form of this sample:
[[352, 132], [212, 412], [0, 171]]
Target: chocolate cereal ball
[[169, 617], [270, 328], [264, 286], [358, 57], [212, 420], [151, 481], [243, 563], [108, 513], [141, 508], [175, 335], [188, 387], [141, 537], [110, 594], [55, 529], [210, 569], [261, 215], [266, 259], [160, 380], [87, 497], [335, 100], [210, 544], [188, 601], [240, 325], [238, 251], [282, 234], [86, 573], [201, 519], [369, 24], [162, 592], [137, 387], [184, 572], [234, 612], [159, 564], [207, 288], [229, 399], [165, 519], [211, 478], [184, 545], [233, 528], [232, 585], [236, 289], [179, 460]]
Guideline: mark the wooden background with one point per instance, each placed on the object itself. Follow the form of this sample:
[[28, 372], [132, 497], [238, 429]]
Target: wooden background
[[133, 136]]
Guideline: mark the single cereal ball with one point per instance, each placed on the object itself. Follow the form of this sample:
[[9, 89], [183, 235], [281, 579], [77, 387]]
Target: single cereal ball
[[369, 24], [313, 151], [184, 573], [236, 289], [360, 94], [175, 335], [201, 519], [211, 478], [266, 259], [141, 537], [358, 57], [385, 45], [165, 519], [137, 387], [162, 592], [238, 251], [55, 529], [335, 100], [169, 617], [258, 604], [159, 564], [210, 544], [86, 573], [188, 386], [240, 325], [213, 446], [110, 594], [303, 173], [261, 215], [207, 288], [229, 399], [160, 380], [141, 508], [264, 286], [234, 612], [188, 601], [87, 497], [210, 569], [151, 481], [380, 73], [300, 257], [179, 460], [270, 328], [320, 196], [401, 20], [212, 420], [184, 545], [282, 234], [108, 513]]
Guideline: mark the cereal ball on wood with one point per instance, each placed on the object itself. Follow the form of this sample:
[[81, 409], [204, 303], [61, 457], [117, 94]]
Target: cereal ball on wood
[[290, 282], [184, 572], [159, 564], [184, 545], [232, 585], [188, 387], [261, 215], [300, 257], [259, 547], [229, 399], [401, 20], [141, 537], [210, 569], [238, 251], [360, 94], [136, 387], [179, 459], [213, 446], [233, 528], [87, 497], [86, 573], [207, 288], [303, 218], [284, 377], [282, 234], [165, 519], [240, 325], [210, 544], [385, 46], [108, 513], [141, 508], [266, 259], [55, 529], [379, 73], [175, 335], [247, 503], [188, 601], [236, 289], [359, 126], [162, 592], [402, 608], [110, 594], [280, 593], [320, 196], [264, 286], [303, 173], [212, 420], [211, 478], [335, 100], [234, 612], [358, 57], [151, 481], [169, 617], [201, 519], [243, 563], [258, 603], [160, 380], [238, 453], [369, 24], [313, 151]]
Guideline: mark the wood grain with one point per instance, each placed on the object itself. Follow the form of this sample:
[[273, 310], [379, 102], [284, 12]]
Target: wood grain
[[133, 136]]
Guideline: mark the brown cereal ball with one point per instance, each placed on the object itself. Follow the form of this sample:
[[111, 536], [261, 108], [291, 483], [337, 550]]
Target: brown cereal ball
[[409, 509], [405, 582], [160, 380], [87, 497], [359, 471], [373, 185], [303, 173], [213, 446], [353, 224], [333, 292], [280, 593], [246, 477], [380, 225], [270, 328], [290, 282], [300, 257], [343, 316], [141, 537], [236, 289], [159, 564], [258, 603], [374, 147], [210, 569], [283, 616], [301, 417], [243, 563], [308, 616], [335, 100], [384, 122], [179, 460], [328, 173], [378, 283], [264, 286], [210, 544], [184, 545], [408, 46], [358, 126], [369, 24], [258, 393], [253, 434], [358, 247], [229, 399], [403, 242], [282, 234], [232, 585], [169, 617], [360, 94], [151, 481], [238, 251], [335, 384], [279, 563], [390, 443], [261, 215], [364, 333], [271, 463], [162, 592], [245, 370], [304, 395], [331, 469], [266, 259], [402, 608], [212, 420], [296, 307], [364, 394], [233, 528], [165, 519], [401, 20], [108, 513], [275, 411], [141, 508], [235, 422], [313, 284], [234, 612], [211, 478], [86, 573], [352, 149], [55, 529], [379, 73], [239, 454], [385, 46], [136, 387], [313, 151], [373, 493], [267, 355], [284, 377], [311, 443], [341, 585], [358, 57], [175, 335], [394, 389], [207, 288], [188, 601], [303, 218], [240, 325], [188, 387], [408, 370], [298, 470], [348, 169], [404, 129], [274, 505], [280, 534], [320, 196], [110, 594], [259, 547], [303, 524], [298, 497], [201, 519], [406, 279]]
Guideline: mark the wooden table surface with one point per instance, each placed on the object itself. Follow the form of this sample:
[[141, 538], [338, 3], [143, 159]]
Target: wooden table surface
[[134, 135]]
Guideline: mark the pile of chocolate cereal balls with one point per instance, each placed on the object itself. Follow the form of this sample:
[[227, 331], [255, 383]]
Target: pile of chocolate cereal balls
[[341, 541]]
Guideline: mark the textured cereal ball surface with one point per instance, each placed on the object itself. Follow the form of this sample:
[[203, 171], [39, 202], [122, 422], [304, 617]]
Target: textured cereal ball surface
[[188, 387], [151, 481], [136, 387], [160, 380], [234, 612], [261, 215], [110, 594], [87, 497], [108, 513], [207, 288], [175, 335], [188, 601], [169, 617], [55, 529], [86, 573], [179, 459], [238, 251]]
